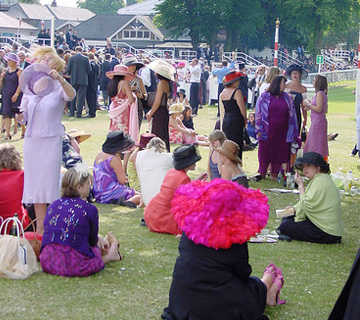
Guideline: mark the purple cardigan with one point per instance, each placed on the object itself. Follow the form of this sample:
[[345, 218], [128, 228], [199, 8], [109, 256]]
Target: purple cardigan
[[262, 117], [72, 222]]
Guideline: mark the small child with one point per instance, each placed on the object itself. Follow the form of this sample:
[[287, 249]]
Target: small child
[[187, 118], [71, 246]]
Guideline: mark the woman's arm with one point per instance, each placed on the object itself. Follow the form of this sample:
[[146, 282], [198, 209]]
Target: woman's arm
[[304, 111], [300, 183], [175, 124], [67, 87], [241, 103], [222, 111], [319, 103], [125, 85], [116, 164], [159, 93], [17, 92]]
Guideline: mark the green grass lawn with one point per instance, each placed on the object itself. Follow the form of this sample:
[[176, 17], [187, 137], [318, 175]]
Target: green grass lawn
[[138, 286]]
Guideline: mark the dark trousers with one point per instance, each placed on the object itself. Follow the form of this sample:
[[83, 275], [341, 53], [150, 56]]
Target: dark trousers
[[79, 101], [305, 231], [194, 96], [203, 82], [91, 98], [220, 89]]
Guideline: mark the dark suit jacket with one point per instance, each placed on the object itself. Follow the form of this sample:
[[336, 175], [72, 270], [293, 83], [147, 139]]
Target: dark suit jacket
[[79, 69], [113, 63], [104, 80], [94, 76]]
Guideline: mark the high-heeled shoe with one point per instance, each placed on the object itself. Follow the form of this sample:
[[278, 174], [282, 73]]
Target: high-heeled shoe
[[8, 137], [279, 280]]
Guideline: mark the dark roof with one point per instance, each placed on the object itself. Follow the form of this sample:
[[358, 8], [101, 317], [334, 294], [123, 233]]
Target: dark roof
[[100, 27]]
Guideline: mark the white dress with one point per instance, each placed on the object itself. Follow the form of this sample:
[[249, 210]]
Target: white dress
[[151, 168], [43, 145]]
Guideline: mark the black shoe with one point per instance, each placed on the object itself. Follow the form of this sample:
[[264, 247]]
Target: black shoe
[[90, 116], [143, 223], [124, 203], [77, 116]]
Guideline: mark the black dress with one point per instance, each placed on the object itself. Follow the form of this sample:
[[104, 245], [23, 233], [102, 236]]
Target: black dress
[[160, 122], [234, 122], [298, 99], [214, 284]]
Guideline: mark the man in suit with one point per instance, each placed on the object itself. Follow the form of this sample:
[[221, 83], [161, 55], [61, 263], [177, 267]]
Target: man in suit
[[79, 69], [23, 64], [91, 92], [115, 60], [104, 80]]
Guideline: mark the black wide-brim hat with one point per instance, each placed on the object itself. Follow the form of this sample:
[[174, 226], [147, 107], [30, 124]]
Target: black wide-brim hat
[[312, 158], [295, 67], [184, 156], [116, 142]]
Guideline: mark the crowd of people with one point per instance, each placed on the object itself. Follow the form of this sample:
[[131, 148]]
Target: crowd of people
[[137, 170]]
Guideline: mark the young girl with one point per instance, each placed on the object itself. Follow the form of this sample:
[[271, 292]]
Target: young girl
[[178, 133], [187, 118], [229, 163], [216, 139], [71, 246]]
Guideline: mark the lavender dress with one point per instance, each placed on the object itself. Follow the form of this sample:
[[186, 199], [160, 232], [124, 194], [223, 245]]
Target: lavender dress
[[317, 137], [106, 187]]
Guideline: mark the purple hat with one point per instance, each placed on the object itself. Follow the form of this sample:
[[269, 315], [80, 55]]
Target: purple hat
[[35, 80], [144, 140], [13, 57]]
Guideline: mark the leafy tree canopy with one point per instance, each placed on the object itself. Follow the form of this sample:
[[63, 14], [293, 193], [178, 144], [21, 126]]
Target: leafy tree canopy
[[101, 6]]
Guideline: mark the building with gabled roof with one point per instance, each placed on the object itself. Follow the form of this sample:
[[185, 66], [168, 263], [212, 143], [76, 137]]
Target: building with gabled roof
[[9, 27]]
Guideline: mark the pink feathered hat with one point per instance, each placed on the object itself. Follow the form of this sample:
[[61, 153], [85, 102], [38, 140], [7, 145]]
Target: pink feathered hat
[[219, 213]]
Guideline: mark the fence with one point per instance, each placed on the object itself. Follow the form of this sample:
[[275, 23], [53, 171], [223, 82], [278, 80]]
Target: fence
[[335, 76]]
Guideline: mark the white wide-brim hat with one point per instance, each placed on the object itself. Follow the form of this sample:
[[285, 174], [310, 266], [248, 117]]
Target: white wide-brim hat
[[163, 68]]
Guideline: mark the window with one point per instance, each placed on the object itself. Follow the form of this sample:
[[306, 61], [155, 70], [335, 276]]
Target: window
[[146, 34], [132, 34], [139, 34], [126, 34]]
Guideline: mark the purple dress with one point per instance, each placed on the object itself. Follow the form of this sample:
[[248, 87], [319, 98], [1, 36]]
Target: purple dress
[[275, 150], [317, 137], [69, 245], [11, 82], [106, 186]]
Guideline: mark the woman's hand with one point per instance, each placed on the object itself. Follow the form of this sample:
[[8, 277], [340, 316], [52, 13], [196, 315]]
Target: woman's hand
[[20, 118], [290, 208], [148, 116], [298, 180], [55, 75], [203, 176], [14, 98], [103, 244]]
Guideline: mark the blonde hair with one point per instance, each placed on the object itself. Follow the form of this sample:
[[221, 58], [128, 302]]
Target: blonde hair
[[10, 158], [71, 180], [157, 145], [271, 73], [40, 52], [217, 135]]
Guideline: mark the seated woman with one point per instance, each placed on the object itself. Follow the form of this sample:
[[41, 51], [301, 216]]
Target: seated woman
[[131, 170], [318, 212], [250, 128], [12, 185], [229, 163], [181, 98], [178, 133], [109, 181], [216, 139], [152, 164], [187, 118], [212, 275], [157, 214], [71, 246]]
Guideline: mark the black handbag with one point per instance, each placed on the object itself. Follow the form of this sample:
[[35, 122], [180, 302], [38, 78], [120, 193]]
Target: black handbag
[[303, 134]]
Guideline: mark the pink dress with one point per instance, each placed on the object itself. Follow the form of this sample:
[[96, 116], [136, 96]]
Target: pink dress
[[317, 137], [121, 122]]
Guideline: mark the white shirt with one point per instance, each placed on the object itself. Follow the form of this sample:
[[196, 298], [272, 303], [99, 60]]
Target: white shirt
[[151, 168], [145, 76], [195, 73]]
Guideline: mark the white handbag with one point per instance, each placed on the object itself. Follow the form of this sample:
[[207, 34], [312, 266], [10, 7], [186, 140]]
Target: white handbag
[[17, 257]]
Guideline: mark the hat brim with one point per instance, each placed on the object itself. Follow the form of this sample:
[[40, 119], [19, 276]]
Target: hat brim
[[229, 155], [298, 68], [125, 145], [8, 58], [138, 65], [127, 75], [178, 165], [157, 68], [80, 136], [33, 74]]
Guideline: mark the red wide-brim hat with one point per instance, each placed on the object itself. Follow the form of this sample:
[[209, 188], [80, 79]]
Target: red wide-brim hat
[[233, 76], [219, 213]]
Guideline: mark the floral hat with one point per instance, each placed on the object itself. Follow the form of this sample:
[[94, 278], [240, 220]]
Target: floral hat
[[219, 213]]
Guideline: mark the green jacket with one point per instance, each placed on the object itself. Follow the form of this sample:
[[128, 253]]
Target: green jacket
[[320, 203]]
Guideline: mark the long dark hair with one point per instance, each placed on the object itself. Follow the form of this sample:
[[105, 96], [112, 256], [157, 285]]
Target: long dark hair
[[113, 86], [168, 81], [321, 83], [274, 88]]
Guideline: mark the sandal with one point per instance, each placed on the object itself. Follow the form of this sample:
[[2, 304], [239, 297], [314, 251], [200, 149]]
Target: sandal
[[22, 135], [8, 137], [279, 280], [278, 271], [267, 271]]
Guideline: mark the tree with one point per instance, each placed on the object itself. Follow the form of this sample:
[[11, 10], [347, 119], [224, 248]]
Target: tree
[[101, 6]]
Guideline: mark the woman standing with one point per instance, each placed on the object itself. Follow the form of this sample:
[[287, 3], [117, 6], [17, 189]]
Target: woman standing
[[233, 112], [297, 90], [43, 104], [9, 82], [270, 74], [317, 138], [159, 111], [276, 127], [136, 84]]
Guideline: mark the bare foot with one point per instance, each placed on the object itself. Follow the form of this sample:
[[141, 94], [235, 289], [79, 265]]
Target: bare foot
[[271, 295], [114, 254]]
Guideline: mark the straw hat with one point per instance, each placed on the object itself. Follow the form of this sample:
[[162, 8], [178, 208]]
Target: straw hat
[[233, 76], [35, 80], [176, 108], [130, 60], [79, 136], [219, 213], [230, 149], [162, 68], [120, 70], [184, 156]]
